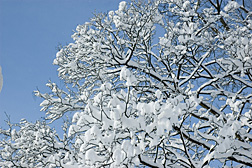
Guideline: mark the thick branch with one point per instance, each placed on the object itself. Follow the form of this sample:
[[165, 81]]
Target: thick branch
[[145, 163]]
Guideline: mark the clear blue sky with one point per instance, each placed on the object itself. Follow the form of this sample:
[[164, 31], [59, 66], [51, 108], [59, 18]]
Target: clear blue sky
[[30, 31]]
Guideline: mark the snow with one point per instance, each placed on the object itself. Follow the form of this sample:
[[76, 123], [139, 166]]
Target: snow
[[44, 103], [186, 5], [106, 87], [91, 157], [111, 14], [124, 107], [117, 21], [118, 156], [122, 6], [159, 95], [76, 117], [128, 76], [231, 5]]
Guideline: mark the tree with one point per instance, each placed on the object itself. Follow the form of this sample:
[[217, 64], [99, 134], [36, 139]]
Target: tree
[[164, 83]]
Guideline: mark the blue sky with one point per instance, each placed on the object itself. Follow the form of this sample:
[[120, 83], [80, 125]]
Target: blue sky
[[30, 31]]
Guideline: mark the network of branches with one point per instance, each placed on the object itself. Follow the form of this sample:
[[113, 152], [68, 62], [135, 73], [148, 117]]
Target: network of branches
[[157, 83]]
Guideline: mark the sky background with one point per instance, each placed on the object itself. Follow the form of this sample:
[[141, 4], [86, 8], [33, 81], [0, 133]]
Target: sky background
[[30, 32]]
